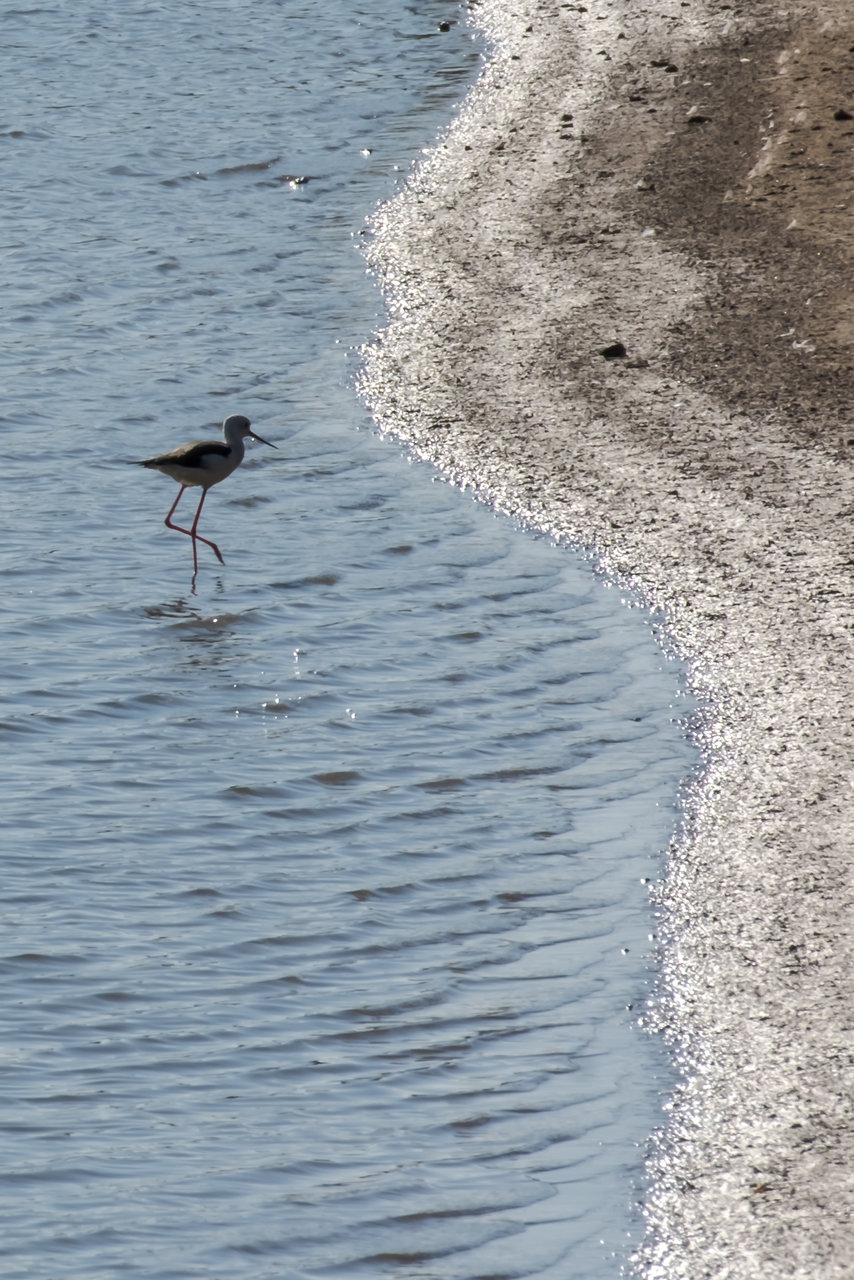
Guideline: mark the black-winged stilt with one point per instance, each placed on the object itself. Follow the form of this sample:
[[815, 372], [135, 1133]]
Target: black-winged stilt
[[204, 463]]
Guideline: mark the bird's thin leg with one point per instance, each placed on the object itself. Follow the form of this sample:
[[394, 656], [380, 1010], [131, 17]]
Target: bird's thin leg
[[192, 533], [168, 521], [180, 528], [196, 535]]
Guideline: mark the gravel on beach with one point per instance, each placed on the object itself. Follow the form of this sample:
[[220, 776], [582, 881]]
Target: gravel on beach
[[621, 308]]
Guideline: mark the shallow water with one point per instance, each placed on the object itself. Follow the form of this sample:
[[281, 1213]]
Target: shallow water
[[323, 899]]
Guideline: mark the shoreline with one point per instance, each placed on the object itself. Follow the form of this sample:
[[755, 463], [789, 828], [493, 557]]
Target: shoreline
[[677, 180]]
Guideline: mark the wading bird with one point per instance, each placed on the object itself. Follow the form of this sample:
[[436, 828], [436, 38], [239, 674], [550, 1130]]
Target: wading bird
[[203, 464]]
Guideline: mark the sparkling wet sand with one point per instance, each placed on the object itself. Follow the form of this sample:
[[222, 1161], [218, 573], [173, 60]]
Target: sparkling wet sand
[[678, 178]]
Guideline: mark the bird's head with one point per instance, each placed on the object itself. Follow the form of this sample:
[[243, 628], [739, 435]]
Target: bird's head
[[236, 427]]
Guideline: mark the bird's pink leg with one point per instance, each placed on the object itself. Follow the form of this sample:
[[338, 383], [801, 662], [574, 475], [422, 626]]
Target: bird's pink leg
[[180, 528], [195, 535], [168, 520], [192, 533]]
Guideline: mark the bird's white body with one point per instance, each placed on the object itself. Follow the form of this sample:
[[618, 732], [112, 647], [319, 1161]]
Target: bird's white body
[[202, 464], [206, 462]]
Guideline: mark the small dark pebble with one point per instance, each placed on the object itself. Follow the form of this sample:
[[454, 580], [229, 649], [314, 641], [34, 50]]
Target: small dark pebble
[[842, 114], [614, 351]]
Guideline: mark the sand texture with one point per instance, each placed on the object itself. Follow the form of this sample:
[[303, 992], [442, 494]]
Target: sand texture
[[678, 178]]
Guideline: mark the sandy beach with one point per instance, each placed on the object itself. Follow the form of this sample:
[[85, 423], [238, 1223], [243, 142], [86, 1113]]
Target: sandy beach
[[620, 293]]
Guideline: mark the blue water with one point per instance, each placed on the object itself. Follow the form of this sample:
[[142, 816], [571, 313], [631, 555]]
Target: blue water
[[323, 876]]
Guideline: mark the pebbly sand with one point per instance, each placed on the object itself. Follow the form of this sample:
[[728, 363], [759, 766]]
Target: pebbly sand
[[678, 178]]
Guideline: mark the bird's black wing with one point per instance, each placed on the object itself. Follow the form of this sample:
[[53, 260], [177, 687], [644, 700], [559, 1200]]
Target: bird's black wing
[[192, 456], [197, 452]]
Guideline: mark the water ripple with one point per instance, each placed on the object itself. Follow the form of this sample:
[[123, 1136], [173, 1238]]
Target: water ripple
[[322, 885]]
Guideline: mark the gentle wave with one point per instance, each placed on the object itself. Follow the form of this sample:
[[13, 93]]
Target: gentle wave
[[322, 884]]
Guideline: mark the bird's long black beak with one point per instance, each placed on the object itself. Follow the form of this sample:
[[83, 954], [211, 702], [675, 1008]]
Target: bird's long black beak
[[261, 440]]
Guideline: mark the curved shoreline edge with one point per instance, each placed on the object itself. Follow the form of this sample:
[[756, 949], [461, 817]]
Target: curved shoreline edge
[[677, 179]]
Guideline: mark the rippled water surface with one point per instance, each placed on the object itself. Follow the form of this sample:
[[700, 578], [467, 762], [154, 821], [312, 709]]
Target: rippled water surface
[[322, 882]]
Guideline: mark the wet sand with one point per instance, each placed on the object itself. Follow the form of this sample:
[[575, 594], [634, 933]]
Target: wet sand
[[678, 178]]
